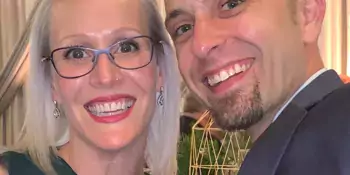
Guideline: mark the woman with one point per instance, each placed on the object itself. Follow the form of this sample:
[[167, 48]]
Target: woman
[[108, 78]]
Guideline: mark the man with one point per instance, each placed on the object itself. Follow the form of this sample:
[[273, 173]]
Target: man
[[257, 66]]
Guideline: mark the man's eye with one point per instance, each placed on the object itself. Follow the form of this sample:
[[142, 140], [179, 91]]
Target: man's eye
[[183, 29], [231, 4]]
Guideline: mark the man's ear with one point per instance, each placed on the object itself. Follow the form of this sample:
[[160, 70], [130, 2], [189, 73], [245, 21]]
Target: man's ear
[[312, 15]]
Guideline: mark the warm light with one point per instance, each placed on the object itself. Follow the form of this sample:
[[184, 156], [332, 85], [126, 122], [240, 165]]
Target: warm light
[[348, 38], [332, 37]]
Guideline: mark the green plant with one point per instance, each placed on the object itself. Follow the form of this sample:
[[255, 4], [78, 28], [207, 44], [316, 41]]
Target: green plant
[[207, 155]]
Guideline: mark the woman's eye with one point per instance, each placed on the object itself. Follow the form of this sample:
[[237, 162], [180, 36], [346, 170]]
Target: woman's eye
[[183, 29], [126, 47], [76, 53], [231, 4]]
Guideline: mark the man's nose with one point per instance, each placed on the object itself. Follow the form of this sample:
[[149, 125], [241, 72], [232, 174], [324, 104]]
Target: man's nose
[[207, 37]]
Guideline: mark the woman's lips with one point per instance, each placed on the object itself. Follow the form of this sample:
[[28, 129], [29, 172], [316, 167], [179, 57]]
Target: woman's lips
[[110, 109]]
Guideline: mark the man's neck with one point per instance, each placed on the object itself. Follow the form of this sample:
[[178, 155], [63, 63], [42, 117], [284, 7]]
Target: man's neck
[[84, 158], [256, 130], [269, 116], [313, 66]]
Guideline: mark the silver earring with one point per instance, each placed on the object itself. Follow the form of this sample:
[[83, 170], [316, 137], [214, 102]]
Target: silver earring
[[160, 100], [56, 111]]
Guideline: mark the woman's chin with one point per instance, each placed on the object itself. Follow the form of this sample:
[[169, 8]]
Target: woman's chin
[[113, 143], [116, 136]]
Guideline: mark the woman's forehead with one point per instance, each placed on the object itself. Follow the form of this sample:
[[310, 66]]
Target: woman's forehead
[[91, 17]]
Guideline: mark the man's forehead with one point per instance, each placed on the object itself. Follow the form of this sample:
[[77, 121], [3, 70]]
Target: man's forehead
[[184, 5]]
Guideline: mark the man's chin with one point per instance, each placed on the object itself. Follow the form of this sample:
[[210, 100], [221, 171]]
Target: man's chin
[[238, 111]]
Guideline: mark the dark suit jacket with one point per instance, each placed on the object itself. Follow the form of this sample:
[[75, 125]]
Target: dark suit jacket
[[310, 137]]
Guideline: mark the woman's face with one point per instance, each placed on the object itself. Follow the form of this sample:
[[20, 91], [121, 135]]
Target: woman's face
[[109, 107]]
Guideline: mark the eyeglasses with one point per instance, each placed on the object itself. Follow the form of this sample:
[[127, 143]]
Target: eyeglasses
[[77, 61]]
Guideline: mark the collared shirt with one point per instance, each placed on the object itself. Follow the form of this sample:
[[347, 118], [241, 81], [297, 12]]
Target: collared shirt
[[313, 77]]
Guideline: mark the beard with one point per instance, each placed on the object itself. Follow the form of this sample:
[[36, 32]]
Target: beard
[[237, 111]]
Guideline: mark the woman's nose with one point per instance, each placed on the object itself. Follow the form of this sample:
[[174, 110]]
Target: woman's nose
[[105, 73]]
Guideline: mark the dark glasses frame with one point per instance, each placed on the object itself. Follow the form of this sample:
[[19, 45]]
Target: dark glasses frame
[[97, 52]]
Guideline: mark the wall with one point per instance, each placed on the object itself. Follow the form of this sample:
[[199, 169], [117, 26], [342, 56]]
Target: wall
[[13, 17]]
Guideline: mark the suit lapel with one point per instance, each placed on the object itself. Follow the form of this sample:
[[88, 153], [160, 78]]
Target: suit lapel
[[268, 150], [318, 89]]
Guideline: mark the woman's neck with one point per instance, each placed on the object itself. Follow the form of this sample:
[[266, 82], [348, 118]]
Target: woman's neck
[[85, 158]]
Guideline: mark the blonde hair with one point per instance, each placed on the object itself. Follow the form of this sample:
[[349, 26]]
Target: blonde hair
[[42, 133]]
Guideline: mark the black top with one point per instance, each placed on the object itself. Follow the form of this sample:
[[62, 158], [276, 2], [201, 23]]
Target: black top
[[20, 164]]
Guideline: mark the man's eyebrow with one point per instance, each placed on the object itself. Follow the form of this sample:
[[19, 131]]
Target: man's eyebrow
[[173, 14]]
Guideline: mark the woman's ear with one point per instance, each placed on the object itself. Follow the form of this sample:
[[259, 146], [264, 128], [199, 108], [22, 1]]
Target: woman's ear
[[54, 93], [160, 82]]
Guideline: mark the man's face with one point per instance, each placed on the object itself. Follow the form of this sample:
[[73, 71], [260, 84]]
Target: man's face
[[243, 58]]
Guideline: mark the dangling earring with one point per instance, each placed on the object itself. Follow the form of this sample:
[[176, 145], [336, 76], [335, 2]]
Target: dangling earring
[[56, 111], [160, 100]]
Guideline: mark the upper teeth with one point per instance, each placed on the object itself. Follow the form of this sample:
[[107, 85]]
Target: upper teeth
[[111, 106], [225, 74]]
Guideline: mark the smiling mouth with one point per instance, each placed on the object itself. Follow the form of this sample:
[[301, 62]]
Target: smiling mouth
[[222, 75], [110, 108]]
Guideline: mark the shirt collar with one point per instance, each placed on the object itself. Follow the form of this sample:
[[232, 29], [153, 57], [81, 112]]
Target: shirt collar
[[307, 82]]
